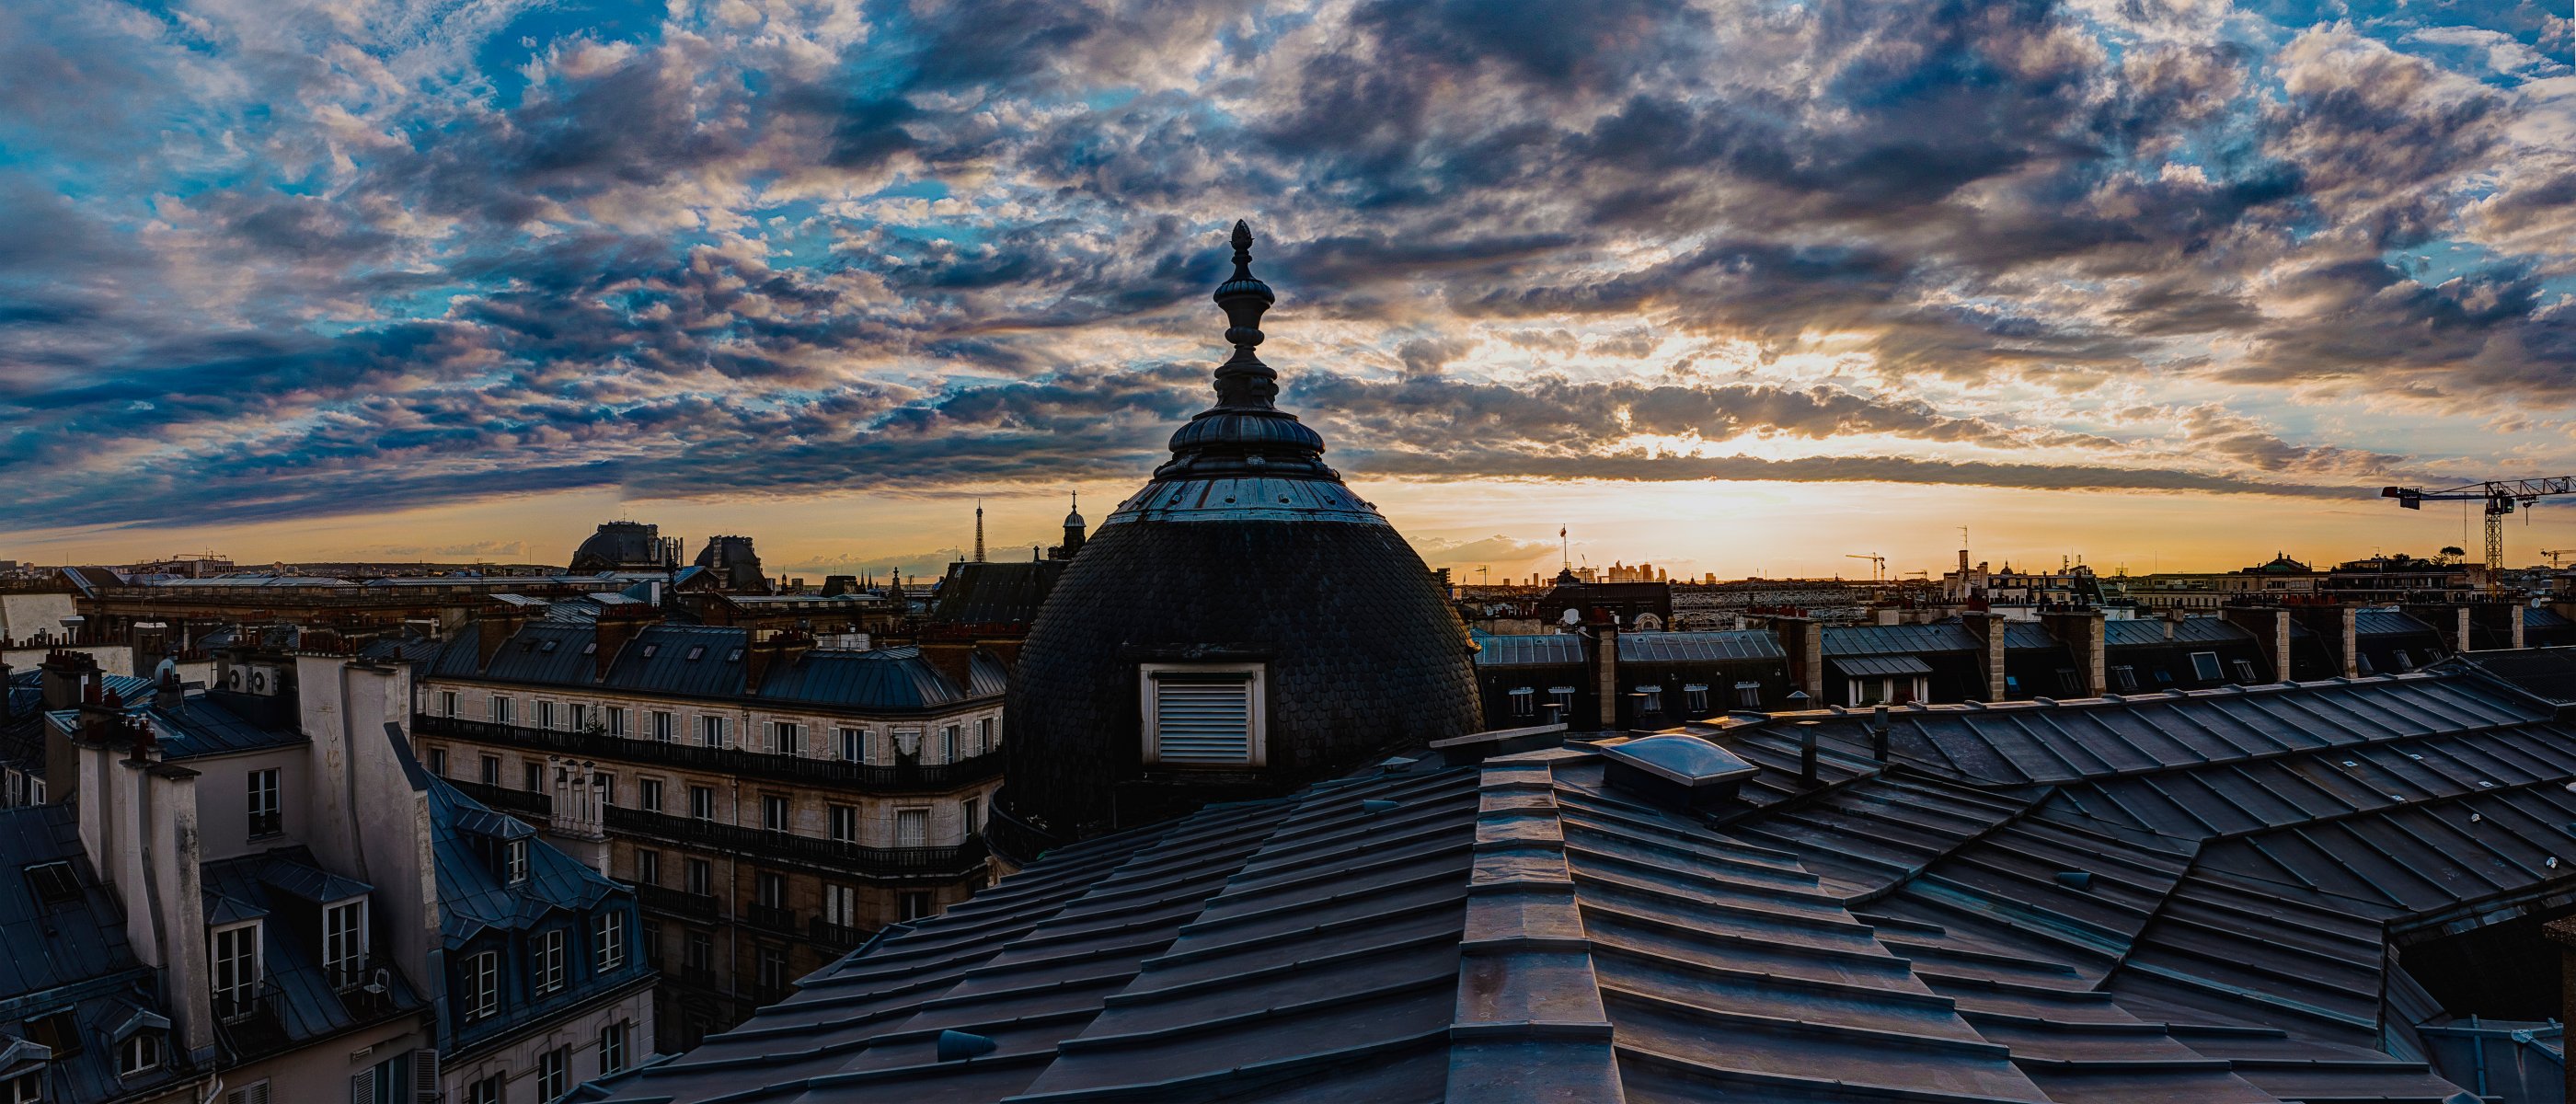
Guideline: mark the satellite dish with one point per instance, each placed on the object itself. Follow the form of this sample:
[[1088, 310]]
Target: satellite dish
[[1571, 617]]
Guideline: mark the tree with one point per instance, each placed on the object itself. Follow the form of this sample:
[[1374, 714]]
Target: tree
[[2452, 552]]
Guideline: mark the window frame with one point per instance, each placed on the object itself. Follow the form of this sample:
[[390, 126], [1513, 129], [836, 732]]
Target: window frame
[[244, 985], [348, 969], [1149, 678], [131, 1054], [263, 813], [546, 970], [482, 979], [609, 941]]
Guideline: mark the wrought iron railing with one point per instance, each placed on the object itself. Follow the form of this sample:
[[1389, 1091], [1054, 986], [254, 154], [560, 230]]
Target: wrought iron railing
[[888, 778], [773, 917], [516, 802], [838, 937], [879, 862], [677, 902]]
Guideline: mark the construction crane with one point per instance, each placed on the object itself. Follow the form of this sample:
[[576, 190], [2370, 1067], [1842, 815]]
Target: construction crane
[[1877, 564], [2502, 497]]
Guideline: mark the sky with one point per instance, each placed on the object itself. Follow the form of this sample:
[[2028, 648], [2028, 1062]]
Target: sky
[[1732, 287]]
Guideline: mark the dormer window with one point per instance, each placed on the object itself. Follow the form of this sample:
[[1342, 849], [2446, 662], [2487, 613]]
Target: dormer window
[[236, 971], [695, 652], [344, 944], [1203, 715], [53, 883], [734, 656], [649, 649], [514, 861], [140, 1053]]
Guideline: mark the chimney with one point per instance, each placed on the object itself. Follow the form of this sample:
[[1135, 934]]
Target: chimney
[[953, 657], [496, 629], [616, 627], [2084, 634], [167, 695], [2173, 620], [2271, 628], [70, 678], [1803, 638], [1604, 658], [2449, 621], [2340, 626], [1988, 628]]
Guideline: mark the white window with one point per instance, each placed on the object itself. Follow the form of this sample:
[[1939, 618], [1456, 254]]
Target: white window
[[551, 1072], [579, 715], [1695, 697], [254, 1093], [2245, 672], [487, 1090], [665, 725], [447, 703], [970, 814], [236, 971], [2124, 678], [2205, 664], [912, 827], [1524, 701], [786, 738], [26, 1088], [844, 823], [648, 795], [344, 944], [913, 904], [514, 861], [500, 710], [264, 817], [1203, 715], [547, 714], [612, 941], [546, 961], [773, 812], [853, 743], [1562, 697], [1650, 699], [612, 1048], [702, 802], [616, 720], [141, 1053], [482, 978], [438, 762], [1748, 695], [711, 730]]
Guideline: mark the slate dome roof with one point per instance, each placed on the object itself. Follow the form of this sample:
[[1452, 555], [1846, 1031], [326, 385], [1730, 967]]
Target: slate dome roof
[[1243, 547], [619, 545]]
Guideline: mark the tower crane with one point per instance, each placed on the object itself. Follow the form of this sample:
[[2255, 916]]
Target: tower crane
[[2501, 496], [1877, 564]]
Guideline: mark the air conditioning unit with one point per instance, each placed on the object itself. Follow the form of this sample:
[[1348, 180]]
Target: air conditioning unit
[[233, 679]]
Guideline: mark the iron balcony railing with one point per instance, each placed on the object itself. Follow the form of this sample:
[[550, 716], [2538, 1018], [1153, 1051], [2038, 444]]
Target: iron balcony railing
[[838, 855], [772, 917], [671, 753], [838, 937], [678, 902], [504, 799]]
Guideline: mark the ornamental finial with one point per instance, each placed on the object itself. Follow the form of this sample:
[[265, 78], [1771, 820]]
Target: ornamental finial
[[1243, 381]]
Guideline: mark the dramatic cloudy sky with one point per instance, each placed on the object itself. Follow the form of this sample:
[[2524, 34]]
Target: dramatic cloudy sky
[[1729, 285]]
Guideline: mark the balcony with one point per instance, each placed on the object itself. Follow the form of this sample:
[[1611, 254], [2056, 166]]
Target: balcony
[[525, 804], [786, 768], [681, 903], [834, 855], [836, 937], [704, 977], [771, 917]]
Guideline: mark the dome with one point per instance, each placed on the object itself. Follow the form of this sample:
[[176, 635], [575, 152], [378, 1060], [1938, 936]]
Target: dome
[[1244, 558], [621, 546]]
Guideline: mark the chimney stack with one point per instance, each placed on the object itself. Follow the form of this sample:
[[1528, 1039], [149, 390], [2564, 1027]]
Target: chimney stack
[[1988, 628], [496, 629], [953, 656], [168, 695]]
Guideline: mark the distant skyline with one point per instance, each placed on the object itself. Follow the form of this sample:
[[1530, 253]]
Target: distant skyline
[[1727, 285]]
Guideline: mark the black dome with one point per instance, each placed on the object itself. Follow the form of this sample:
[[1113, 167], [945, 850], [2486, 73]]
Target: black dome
[[621, 546], [1244, 547]]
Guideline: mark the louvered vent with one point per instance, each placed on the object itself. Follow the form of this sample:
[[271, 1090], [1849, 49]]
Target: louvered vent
[[1202, 718]]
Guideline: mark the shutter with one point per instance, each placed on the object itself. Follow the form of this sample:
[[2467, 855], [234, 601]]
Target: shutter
[[362, 1088], [424, 1076], [1202, 719]]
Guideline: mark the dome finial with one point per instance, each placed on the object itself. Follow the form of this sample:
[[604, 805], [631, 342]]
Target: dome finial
[[1243, 381]]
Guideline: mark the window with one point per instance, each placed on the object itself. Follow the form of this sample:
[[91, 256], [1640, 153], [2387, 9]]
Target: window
[[547, 714], [1562, 699], [773, 812], [650, 649], [612, 941], [344, 944], [786, 738], [54, 883], [491, 770], [500, 710], [578, 716], [533, 774], [912, 904], [58, 1031], [447, 703], [648, 794], [2405, 662], [141, 1053], [401, 1079], [2361, 663], [2245, 672], [2205, 665], [841, 905], [702, 803], [514, 861], [948, 744], [769, 889], [2069, 683], [438, 762], [487, 1090], [552, 1069], [482, 985], [264, 818], [1695, 697], [773, 969], [700, 875], [606, 784], [648, 866], [2124, 678], [612, 1048], [697, 952], [711, 730], [546, 962], [236, 971], [28, 1088], [616, 720], [983, 735], [1203, 715], [696, 653], [1748, 695], [254, 1093], [844, 822], [853, 743], [912, 827], [1524, 701], [970, 815], [665, 725], [734, 656], [1650, 699]]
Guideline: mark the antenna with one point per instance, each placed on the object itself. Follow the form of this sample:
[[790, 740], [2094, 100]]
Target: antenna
[[1564, 547], [979, 530]]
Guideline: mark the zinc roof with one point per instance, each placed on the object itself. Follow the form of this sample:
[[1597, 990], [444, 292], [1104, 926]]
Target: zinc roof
[[1541, 650], [1698, 647]]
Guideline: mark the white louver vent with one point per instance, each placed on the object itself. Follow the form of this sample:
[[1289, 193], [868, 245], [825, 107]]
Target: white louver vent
[[1203, 716]]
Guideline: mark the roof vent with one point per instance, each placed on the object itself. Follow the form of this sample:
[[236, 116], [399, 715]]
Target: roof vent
[[955, 1045], [1377, 805], [2075, 879], [1677, 771]]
